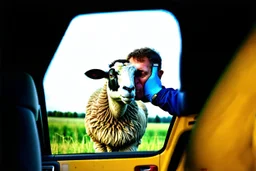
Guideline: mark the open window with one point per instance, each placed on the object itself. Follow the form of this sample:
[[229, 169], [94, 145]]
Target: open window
[[94, 41]]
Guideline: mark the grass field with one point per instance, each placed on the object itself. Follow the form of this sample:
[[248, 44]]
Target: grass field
[[68, 136]]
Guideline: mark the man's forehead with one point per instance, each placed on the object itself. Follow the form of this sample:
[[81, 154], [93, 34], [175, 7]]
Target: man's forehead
[[144, 60], [142, 66]]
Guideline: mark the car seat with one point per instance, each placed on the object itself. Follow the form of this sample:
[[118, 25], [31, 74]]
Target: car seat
[[19, 109]]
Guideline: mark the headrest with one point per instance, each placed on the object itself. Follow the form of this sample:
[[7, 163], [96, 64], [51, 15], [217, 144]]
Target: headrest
[[18, 88]]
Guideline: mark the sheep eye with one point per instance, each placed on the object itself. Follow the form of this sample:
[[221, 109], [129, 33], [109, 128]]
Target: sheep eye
[[112, 73]]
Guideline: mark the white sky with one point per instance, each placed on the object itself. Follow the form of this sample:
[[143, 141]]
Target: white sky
[[95, 40]]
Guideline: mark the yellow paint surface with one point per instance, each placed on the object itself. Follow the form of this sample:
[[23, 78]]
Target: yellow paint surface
[[224, 135]]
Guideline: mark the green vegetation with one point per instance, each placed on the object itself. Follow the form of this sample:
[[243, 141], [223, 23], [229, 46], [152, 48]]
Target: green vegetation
[[55, 113], [68, 136]]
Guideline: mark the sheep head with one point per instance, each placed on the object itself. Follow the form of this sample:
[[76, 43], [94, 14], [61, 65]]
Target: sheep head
[[120, 77]]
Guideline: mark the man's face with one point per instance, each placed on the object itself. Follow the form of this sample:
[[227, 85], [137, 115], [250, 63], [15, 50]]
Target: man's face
[[144, 72]]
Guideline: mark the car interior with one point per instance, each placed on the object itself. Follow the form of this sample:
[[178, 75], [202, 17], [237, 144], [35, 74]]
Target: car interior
[[217, 61]]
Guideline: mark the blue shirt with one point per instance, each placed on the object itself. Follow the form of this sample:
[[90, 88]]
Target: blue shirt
[[170, 100]]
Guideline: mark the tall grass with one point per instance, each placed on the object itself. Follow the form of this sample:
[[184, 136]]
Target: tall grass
[[68, 136]]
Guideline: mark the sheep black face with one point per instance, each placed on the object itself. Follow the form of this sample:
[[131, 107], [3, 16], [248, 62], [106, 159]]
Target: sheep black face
[[113, 80], [120, 79]]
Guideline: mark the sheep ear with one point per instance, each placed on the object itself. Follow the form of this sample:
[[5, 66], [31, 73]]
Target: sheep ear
[[96, 74]]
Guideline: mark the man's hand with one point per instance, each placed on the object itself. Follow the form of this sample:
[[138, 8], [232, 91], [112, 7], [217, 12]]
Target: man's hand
[[153, 85]]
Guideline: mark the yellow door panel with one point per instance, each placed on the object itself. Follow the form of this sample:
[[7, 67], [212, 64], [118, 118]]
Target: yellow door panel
[[181, 125], [108, 164]]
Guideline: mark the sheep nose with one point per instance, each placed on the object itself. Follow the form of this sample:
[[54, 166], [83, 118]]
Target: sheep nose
[[128, 89]]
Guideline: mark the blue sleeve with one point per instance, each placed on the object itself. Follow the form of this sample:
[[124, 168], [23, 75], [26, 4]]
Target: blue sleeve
[[168, 99]]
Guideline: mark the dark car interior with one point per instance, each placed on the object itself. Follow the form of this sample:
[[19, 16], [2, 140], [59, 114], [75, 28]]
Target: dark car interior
[[30, 33]]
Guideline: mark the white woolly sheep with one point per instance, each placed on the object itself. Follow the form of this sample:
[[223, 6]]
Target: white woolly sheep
[[114, 120]]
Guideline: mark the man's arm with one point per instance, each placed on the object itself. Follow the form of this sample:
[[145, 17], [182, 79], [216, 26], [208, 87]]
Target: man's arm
[[170, 100]]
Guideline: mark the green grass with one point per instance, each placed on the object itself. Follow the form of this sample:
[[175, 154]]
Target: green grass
[[68, 136]]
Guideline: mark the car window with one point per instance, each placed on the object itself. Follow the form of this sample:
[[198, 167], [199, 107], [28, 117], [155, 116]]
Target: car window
[[94, 41]]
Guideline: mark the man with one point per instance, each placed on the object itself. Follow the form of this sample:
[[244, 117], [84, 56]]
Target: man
[[148, 84]]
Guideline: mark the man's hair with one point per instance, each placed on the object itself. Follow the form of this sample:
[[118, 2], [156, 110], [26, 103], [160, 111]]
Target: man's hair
[[151, 54]]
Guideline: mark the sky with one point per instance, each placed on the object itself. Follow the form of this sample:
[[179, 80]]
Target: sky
[[95, 40]]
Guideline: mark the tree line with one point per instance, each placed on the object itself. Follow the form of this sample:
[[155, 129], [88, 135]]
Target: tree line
[[155, 119]]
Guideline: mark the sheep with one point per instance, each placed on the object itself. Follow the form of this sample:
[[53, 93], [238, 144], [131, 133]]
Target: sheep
[[114, 120]]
